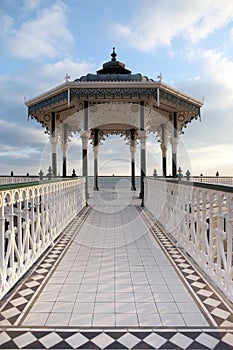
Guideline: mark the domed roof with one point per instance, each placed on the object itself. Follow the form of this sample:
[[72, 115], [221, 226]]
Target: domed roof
[[113, 71], [113, 66]]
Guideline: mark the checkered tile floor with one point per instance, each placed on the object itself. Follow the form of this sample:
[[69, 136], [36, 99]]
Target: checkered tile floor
[[207, 325], [116, 339]]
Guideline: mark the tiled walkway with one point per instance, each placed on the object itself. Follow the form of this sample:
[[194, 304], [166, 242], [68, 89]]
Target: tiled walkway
[[115, 280]]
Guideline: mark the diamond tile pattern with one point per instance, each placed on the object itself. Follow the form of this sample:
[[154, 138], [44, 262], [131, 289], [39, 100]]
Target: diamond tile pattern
[[115, 339]]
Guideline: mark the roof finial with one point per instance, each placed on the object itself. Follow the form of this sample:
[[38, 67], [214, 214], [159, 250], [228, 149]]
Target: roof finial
[[67, 77], [160, 77], [113, 54]]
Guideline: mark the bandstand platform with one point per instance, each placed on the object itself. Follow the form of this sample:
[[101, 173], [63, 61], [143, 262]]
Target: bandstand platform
[[115, 280]]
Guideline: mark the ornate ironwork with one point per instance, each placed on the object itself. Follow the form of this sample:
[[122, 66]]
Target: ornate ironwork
[[114, 92], [48, 101], [122, 93], [173, 99]]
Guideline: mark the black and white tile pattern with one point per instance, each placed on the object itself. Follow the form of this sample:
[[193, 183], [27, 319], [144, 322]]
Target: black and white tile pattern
[[116, 339]]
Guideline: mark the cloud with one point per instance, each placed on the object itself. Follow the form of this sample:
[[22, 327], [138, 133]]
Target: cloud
[[220, 159], [7, 24], [18, 135], [46, 35], [209, 143], [214, 82], [21, 140], [50, 74], [31, 5], [156, 24], [21, 147], [34, 80]]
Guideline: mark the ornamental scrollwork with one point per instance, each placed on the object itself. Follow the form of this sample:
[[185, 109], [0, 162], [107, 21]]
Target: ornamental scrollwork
[[117, 92], [167, 96], [122, 93], [48, 101]]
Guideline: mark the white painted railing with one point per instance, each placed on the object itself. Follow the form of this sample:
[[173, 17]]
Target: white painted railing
[[218, 180], [31, 218], [200, 219], [5, 180]]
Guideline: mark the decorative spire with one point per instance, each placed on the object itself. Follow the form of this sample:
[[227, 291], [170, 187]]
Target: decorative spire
[[113, 54], [67, 77], [160, 77]]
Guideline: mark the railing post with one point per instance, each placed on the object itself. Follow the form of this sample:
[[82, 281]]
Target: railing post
[[2, 243], [229, 237]]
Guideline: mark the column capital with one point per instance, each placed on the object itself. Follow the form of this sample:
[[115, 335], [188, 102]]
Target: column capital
[[174, 143], [85, 136], [96, 151], [133, 149], [142, 135], [54, 143], [64, 147], [53, 139], [164, 149]]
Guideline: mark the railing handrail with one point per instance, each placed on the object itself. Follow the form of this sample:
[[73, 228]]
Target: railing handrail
[[3, 187], [209, 186]]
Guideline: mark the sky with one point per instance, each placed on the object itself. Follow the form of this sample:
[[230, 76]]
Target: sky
[[189, 42]]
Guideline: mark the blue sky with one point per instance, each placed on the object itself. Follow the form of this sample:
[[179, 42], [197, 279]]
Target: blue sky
[[190, 42]]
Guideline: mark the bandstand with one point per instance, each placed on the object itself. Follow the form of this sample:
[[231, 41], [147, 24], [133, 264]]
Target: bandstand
[[114, 101]]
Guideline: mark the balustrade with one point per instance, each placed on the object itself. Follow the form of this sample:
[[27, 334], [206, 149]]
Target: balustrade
[[221, 180], [31, 218], [199, 217], [4, 180]]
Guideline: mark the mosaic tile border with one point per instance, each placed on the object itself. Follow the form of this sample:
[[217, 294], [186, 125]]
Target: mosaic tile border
[[116, 339], [14, 304], [219, 313]]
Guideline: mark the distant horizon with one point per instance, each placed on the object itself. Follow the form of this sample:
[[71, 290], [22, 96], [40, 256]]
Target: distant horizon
[[110, 175]]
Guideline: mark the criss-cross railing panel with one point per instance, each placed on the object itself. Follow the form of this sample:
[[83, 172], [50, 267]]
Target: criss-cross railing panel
[[31, 217], [200, 219]]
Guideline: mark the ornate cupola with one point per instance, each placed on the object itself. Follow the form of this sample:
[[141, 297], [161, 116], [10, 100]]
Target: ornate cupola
[[113, 66], [112, 71]]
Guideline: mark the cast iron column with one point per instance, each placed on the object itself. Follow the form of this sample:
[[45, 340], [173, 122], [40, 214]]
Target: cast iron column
[[174, 142], [85, 138], [164, 152], [96, 151], [143, 149], [53, 141], [132, 151], [64, 151]]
